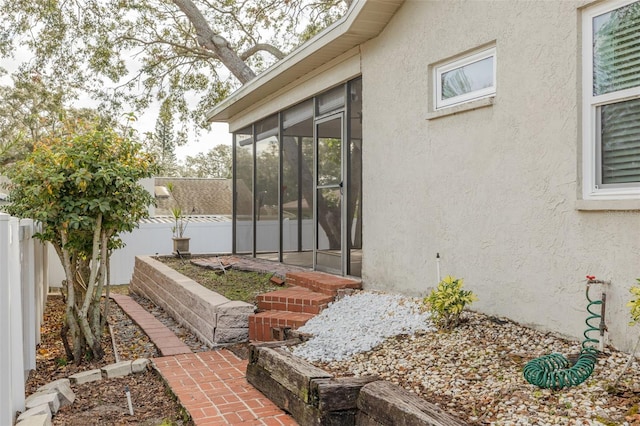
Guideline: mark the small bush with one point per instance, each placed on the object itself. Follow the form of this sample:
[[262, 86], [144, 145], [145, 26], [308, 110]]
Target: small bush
[[634, 304], [447, 302]]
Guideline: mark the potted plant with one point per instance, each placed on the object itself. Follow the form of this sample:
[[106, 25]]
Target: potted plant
[[180, 222]]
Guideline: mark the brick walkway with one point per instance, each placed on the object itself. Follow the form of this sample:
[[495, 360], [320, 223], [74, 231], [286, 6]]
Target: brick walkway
[[161, 336], [211, 386]]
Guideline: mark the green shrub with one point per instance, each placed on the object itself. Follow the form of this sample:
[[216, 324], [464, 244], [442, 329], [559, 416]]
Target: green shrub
[[447, 302], [634, 304]]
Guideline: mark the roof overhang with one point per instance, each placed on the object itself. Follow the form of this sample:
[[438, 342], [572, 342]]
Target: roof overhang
[[363, 21]]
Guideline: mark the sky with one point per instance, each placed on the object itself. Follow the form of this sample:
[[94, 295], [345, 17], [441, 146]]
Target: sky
[[146, 122], [219, 134]]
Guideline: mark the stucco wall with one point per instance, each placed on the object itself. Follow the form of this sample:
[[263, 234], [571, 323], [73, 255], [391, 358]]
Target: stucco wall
[[492, 190]]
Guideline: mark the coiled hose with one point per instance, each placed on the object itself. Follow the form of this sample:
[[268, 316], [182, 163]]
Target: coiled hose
[[554, 371]]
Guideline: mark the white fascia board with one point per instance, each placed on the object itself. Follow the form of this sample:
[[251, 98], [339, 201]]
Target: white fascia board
[[284, 71]]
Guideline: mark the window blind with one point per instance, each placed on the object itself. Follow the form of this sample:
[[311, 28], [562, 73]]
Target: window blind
[[616, 53], [620, 142], [616, 66]]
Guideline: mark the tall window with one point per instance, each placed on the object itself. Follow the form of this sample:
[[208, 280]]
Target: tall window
[[243, 186], [611, 110]]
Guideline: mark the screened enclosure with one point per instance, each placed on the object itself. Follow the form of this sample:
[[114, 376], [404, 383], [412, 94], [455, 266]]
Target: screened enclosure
[[298, 183]]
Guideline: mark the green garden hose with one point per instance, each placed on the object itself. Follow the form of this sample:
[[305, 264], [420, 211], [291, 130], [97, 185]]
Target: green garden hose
[[554, 371]]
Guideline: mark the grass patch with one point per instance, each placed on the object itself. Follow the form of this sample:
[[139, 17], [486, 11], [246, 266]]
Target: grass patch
[[234, 285]]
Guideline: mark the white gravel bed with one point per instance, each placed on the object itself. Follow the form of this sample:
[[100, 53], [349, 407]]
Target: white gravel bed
[[473, 372], [359, 322]]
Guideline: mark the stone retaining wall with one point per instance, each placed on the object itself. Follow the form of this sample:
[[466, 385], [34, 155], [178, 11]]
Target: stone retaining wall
[[211, 316]]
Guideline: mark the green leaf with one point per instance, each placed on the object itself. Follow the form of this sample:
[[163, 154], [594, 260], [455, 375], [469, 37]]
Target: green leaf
[[447, 302]]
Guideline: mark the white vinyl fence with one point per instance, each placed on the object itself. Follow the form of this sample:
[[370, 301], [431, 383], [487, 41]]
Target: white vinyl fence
[[23, 292], [28, 268], [209, 235]]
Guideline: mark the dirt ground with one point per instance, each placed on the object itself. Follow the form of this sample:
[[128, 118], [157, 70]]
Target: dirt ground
[[104, 402]]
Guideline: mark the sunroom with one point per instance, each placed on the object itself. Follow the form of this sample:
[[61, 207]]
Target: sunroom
[[297, 150]]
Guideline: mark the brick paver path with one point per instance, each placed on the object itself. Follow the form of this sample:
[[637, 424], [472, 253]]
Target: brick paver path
[[212, 387], [161, 336]]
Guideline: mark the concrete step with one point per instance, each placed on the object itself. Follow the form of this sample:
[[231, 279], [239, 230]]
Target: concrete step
[[262, 324], [320, 282], [294, 299]]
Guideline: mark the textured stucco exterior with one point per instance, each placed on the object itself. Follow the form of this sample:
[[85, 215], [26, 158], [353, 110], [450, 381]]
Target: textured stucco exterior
[[493, 190]]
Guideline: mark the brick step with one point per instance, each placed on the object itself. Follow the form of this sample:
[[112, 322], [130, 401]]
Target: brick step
[[321, 282], [294, 299], [261, 324]]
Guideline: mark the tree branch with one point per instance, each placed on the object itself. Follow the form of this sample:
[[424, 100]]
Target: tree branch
[[262, 47], [208, 39]]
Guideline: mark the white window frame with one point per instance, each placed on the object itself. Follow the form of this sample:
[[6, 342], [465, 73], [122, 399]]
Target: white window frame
[[591, 162], [440, 103]]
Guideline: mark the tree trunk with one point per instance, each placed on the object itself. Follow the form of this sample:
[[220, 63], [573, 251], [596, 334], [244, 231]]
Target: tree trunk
[[81, 321], [215, 43], [107, 296]]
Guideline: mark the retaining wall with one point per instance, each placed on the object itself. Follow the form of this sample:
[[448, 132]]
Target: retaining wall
[[314, 397], [211, 316]]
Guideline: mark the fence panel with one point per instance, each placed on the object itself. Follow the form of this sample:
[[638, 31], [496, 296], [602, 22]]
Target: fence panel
[[23, 290], [6, 403], [11, 328], [155, 238], [28, 287]]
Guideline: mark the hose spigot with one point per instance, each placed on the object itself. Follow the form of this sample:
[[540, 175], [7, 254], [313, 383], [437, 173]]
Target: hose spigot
[[591, 279], [602, 327]]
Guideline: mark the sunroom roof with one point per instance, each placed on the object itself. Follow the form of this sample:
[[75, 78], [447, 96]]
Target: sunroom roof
[[363, 21]]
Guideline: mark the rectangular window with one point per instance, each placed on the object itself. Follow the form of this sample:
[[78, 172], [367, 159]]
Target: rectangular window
[[465, 79], [611, 109]]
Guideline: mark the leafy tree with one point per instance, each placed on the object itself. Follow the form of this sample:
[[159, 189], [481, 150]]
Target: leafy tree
[[83, 188], [28, 110], [132, 52], [216, 163], [162, 143], [32, 108]]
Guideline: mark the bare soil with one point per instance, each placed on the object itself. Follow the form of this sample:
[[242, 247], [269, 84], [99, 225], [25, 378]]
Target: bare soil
[[232, 284], [104, 402]]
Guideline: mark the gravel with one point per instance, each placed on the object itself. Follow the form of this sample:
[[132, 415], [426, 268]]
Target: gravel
[[359, 322], [184, 334], [473, 372]]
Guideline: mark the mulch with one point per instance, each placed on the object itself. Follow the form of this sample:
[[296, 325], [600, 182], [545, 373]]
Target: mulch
[[105, 402]]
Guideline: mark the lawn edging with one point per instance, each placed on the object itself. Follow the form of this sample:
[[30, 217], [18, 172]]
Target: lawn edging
[[314, 397], [211, 316]]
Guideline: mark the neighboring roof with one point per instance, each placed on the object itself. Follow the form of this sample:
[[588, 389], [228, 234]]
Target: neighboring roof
[[363, 21], [193, 195], [192, 219]]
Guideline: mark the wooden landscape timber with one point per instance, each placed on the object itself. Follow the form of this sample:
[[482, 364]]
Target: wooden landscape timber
[[383, 403], [314, 397]]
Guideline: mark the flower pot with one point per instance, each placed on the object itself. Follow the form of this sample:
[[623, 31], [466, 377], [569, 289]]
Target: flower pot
[[181, 246]]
